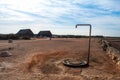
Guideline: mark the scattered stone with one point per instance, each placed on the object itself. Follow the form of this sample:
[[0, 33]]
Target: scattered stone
[[112, 52], [5, 54]]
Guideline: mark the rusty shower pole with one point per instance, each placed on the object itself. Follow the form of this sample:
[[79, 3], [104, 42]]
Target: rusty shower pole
[[88, 57]]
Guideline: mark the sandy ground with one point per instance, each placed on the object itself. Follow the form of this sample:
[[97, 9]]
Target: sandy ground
[[114, 42], [41, 59]]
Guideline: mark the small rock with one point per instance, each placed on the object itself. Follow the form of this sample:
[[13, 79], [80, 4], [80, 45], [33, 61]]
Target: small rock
[[114, 58], [10, 41], [118, 64], [5, 54]]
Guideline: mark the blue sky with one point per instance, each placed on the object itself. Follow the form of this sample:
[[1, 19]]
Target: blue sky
[[61, 16]]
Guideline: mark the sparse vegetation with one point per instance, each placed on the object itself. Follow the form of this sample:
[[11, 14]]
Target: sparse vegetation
[[8, 36], [13, 37], [42, 59], [26, 38]]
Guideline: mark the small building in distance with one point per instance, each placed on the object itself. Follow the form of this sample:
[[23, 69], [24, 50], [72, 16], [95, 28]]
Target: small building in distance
[[44, 34], [25, 33]]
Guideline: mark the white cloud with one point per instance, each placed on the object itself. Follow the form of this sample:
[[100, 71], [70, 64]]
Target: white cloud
[[44, 13], [112, 5]]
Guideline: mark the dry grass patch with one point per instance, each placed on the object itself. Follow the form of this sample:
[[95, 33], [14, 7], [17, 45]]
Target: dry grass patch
[[43, 59], [50, 69]]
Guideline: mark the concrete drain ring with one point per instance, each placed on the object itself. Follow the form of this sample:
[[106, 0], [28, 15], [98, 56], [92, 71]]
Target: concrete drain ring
[[75, 63]]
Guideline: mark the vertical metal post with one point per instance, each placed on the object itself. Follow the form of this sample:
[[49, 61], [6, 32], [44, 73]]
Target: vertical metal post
[[88, 57]]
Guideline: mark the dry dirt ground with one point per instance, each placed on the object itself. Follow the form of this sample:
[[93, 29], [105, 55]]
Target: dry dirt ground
[[41, 59], [115, 42]]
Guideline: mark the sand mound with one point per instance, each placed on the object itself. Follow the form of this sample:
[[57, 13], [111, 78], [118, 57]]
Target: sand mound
[[43, 60]]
